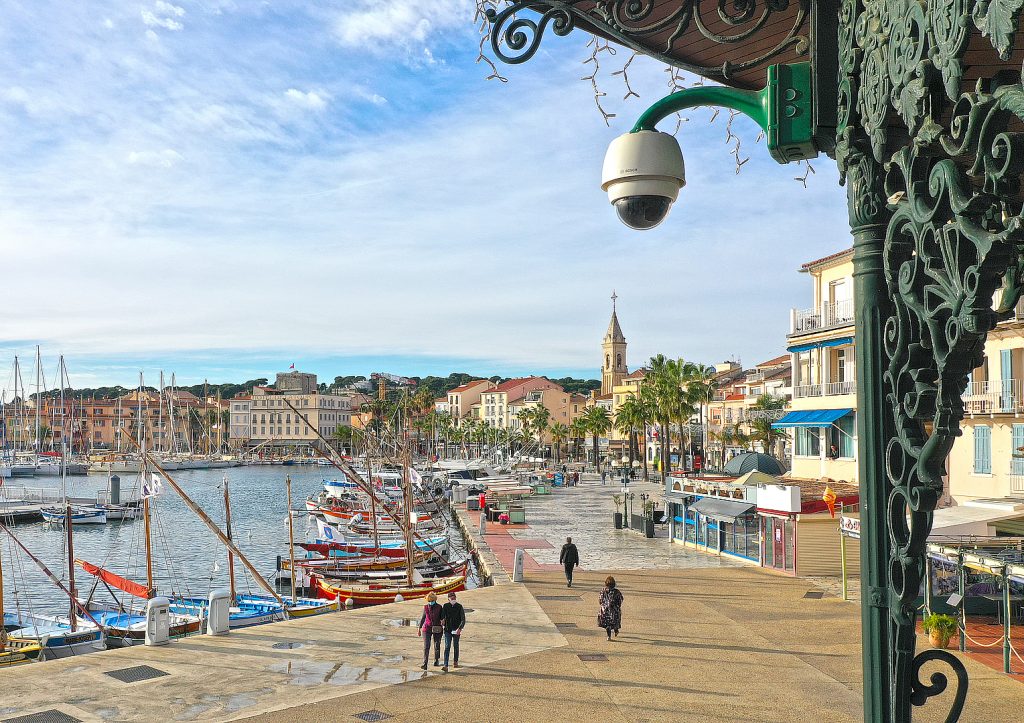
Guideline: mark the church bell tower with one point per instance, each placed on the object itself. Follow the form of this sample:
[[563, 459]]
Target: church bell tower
[[613, 367]]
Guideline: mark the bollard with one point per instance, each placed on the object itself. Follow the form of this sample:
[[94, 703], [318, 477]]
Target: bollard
[[399, 598], [115, 490], [158, 621], [483, 523], [517, 568], [219, 613]]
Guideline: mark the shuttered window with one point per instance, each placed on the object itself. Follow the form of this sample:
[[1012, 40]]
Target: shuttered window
[[982, 450], [1017, 453]]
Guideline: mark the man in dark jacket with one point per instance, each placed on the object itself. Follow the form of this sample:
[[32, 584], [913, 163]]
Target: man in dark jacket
[[570, 558], [454, 617]]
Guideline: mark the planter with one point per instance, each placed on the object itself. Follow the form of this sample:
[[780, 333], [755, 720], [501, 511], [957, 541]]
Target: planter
[[648, 528], [618, 520], [939, 639]]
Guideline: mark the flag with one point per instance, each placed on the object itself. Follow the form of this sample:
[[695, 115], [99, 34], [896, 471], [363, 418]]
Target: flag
[[151, 485], [292, 366], [416, 477], [830, 500], [326, 531]]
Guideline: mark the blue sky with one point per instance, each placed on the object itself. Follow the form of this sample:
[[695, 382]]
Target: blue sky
[[222, 188]]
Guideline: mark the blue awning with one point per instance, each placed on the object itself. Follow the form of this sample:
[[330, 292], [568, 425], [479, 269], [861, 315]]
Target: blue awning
[[811, 418], [820, 344]]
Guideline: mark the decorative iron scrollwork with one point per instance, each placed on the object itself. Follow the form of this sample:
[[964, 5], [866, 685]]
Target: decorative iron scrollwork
[[952, 167], [939, 682], [635, 23]]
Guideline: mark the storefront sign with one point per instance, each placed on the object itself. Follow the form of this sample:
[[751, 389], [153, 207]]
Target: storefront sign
[[850, 526]]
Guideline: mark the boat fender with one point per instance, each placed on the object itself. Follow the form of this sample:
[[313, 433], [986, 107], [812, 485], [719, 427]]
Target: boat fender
[[349, 604], [399, 598]]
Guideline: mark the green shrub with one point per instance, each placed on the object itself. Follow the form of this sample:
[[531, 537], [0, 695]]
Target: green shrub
[[945, 625]]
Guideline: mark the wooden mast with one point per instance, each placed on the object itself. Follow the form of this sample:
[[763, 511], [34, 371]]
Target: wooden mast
[[227, 525], [3, 630], [291, 537], [68, 524], [149, 537], [373, 504]]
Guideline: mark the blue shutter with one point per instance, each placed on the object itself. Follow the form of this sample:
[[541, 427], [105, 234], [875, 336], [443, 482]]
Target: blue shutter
[[1017, 463], [1006, 378], [982, 450]]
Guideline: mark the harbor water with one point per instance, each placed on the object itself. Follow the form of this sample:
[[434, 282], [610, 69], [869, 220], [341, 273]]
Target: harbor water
[[187, 557]]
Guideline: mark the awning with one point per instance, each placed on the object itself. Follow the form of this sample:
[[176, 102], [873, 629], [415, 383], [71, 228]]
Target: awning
[[811, 418], [722, 510], [820, 344]]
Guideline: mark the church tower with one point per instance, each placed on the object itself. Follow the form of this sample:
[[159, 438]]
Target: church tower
[[614, 357]]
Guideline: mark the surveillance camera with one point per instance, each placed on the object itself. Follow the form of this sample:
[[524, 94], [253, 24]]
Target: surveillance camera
[[643, 172]]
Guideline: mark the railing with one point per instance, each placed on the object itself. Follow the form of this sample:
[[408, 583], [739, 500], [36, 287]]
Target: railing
[[828, 316], [835, 388], [994, 397], [807, 390], [1016, 483]]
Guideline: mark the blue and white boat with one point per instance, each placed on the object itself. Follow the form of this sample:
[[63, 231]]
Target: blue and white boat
[[79, 515], [337, 487], [244, 613], [54, 634]]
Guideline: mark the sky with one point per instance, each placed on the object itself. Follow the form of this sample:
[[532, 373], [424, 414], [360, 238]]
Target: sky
[[223, 188]]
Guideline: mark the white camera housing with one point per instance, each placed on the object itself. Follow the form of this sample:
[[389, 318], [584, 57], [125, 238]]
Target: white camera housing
[[643, 172]]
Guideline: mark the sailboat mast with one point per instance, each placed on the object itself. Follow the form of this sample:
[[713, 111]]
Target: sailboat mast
[[3, 638], [138, 415], [39, 367], [227, 526], [160, 414], [373, 503], [409, 515], [69, 527], [291, 537]]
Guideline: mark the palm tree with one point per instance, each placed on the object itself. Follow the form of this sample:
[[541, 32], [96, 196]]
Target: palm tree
[[559, 433], [599, 422], [631, 419], [578, 430], [700, 389], [668, 398], [761, 424]]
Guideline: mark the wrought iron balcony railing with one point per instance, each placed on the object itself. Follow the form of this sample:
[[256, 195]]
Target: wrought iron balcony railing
[[996, 396], [829, 315], [828, 389]]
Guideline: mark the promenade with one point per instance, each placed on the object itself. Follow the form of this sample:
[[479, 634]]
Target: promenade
[[703, 639]]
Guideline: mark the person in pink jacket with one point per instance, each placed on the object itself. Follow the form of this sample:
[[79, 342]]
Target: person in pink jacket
[[430, 628]]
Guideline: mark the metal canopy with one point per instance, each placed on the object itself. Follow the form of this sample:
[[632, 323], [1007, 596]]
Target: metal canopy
[[811, 418], [721, 510]]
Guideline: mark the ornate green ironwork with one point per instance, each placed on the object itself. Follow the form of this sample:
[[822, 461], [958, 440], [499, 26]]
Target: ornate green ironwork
[[782, 109], [933, 172], [515, 38]]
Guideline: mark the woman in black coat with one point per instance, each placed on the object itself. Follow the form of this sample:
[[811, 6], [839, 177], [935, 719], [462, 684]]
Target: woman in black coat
[[610, 615]]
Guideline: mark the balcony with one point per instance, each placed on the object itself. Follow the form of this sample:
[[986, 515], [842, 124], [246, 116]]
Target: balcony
[[828, 389], [1003, 396], [829, 315], [1016, 483]]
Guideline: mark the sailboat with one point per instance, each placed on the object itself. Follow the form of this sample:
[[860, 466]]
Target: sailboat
[[57, 636], [13, 650]]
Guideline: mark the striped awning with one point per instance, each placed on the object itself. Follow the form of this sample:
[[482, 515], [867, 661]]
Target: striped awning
[[811, 418], [820, 344]]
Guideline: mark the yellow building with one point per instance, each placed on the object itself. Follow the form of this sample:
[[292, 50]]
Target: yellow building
[[822, 420], [462, 398], [987, 461]]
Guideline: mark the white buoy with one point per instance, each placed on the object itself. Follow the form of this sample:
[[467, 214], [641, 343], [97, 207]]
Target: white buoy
[[399, 598], [349, 604]]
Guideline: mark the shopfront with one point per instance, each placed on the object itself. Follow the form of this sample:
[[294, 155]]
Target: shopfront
[[716, 518]]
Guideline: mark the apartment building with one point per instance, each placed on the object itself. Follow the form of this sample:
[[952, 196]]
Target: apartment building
[[555, 399], [292, 416], [730, 414], [494, 402], [240, 420], [461, 399], [822, 417]]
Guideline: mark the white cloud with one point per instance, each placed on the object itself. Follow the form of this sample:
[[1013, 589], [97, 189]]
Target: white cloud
[[377, 24], [309, 99], [163, 15], [166, 158]]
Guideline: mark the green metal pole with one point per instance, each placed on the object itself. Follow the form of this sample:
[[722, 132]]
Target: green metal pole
[[927, 584], [962, 589], [1006, 619], [873, 432]]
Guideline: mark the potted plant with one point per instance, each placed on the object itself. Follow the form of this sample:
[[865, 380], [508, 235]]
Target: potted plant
[[940, 628], [617, 499], [649, 519]]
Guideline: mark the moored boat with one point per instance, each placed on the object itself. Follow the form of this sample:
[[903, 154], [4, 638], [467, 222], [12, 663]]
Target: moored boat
[[381, 593]]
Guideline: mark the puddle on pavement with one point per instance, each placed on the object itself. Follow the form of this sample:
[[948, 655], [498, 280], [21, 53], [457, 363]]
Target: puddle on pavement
[[310, 672], [378, 638], [223, 703], [398, 623]]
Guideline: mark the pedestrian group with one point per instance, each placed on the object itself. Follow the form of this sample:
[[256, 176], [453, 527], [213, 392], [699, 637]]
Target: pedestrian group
[[436, 620]]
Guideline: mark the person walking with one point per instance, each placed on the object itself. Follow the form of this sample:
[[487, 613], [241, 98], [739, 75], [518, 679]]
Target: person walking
[[609, 616], [453, 616], [431, 627], [570, 558]]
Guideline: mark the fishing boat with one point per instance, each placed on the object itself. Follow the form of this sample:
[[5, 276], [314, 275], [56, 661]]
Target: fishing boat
[[385, 592], [241, 613], [54, 634], [14, 650], [79, 515], [118, 512]]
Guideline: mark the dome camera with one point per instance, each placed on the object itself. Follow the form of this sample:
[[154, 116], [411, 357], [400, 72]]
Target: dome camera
[[643, 172]]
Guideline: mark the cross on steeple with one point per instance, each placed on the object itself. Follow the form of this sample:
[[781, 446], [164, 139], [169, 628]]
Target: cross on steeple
[[614, 297]]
